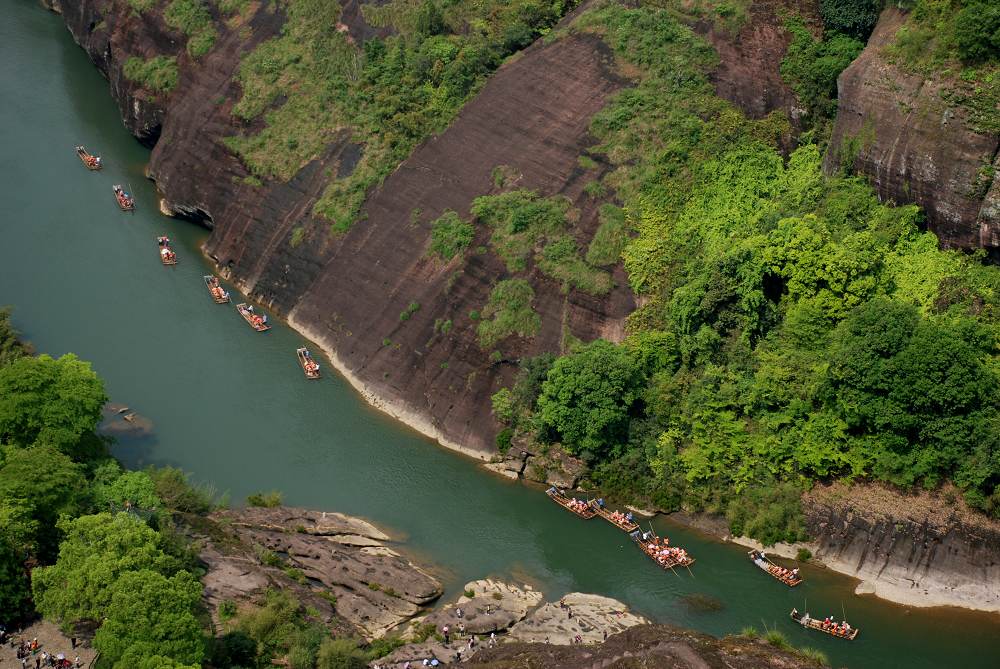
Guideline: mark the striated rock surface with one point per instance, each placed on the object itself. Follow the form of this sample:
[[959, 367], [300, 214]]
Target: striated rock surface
[[920, 550], [660, 646], [347, 291], [896, 128], [315, 555]]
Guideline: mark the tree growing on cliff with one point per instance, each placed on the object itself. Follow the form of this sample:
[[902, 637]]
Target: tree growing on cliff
[[587, 396], [856, 18], [977, 30]]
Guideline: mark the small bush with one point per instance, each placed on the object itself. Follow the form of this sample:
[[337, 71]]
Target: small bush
[[749, 632], [178, 494], [803, 555], [268, 557], [340, 654], [411, 308], [777, 639], [595, 189], [157, 74], [504, 438], [497, 596], [424, 632], [815, 655], [267, 500], [469, 593], [227, 610], [298, 234], [586, 162]]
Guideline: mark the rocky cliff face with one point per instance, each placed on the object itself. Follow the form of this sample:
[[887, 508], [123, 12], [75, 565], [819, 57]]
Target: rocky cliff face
[[921, 549], [896, 128], [347, 291]]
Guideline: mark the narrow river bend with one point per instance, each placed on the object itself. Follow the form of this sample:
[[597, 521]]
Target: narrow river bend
[[232, 407]]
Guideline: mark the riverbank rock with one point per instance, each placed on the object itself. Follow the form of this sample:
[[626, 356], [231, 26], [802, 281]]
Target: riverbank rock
[[920, 549], [494, 607], [555, 467], [322, 558], [576, 618], [659, 646]]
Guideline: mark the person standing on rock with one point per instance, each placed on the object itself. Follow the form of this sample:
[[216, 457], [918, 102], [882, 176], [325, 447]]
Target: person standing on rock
[[445, 631], [461, 629], [493, 639]]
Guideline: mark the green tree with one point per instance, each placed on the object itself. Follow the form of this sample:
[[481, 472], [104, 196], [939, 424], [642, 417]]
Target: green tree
[[135, 489], [977, 30], [37, 486], [587, 396], [98, 550], [11, 347], [46, 401], [856, 18], [15, 593], [150, 614]]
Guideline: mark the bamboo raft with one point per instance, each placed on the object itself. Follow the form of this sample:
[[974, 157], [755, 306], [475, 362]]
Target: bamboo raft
[[773, 569], [586, 512], [215, 290], [669, 562], [167, 255], [255, 321], [812, 623], [620, 523], [309, 366], [125, 201], [91, 162]]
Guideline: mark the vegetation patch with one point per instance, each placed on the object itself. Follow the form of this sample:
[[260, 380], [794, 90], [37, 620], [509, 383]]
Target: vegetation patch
[[793, 328], [311, 84], [157, 74], [193, 19], [811, 67], [609, 241], [450, 236], [508, 312], [957, 41]]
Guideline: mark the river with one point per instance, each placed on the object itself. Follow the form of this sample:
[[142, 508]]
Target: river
[[232, 407]]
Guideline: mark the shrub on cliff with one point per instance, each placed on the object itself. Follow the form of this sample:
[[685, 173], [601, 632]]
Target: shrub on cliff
[[193, 19], [157, 74], [450, 236], [811, 66], [508, 312]]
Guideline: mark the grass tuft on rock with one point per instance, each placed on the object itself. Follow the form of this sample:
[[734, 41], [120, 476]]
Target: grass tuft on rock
[[158, 74]]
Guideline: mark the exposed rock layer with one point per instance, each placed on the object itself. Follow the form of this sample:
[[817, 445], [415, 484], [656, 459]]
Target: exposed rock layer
[[374, 588], [660, 646], [920, 549], [895, 127]]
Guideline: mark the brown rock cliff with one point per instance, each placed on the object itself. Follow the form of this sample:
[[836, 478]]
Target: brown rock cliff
[[895, 127]]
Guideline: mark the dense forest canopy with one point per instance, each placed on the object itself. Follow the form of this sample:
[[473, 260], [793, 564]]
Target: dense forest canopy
[[793, 327]]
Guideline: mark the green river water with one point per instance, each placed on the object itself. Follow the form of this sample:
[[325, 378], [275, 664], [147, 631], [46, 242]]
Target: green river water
[[232, 407]]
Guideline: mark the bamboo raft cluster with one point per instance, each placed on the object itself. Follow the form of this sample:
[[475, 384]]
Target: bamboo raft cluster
[[167, 254], [91, 162], [590, 508], [843, 631], [786, 576], [219, 295]]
